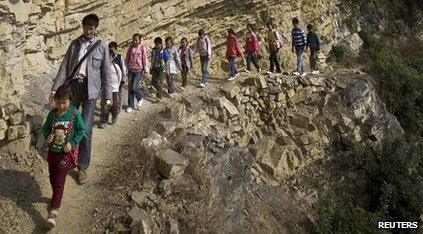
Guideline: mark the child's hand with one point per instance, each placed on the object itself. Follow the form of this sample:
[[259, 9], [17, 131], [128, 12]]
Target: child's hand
[[67, 148], [50, 138]]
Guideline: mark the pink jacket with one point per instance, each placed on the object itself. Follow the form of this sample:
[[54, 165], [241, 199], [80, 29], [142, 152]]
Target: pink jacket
[[233, 48], [136, 59], [253, 45], [204, 46]]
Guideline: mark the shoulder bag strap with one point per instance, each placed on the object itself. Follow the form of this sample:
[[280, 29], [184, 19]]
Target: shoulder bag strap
[[91, 49]]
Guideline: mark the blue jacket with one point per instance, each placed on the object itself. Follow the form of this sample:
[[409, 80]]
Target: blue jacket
[[313, 41]]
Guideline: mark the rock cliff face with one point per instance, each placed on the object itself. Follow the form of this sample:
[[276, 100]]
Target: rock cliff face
[[34, 35]]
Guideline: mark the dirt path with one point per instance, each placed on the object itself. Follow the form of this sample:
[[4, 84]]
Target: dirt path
[[115, 163]]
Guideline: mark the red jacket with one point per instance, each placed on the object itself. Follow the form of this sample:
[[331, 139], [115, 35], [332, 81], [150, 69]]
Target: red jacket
[[233, 48], [253, 45]]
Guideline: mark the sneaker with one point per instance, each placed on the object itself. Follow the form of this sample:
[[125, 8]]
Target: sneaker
[[269, 72], [51, 221], [128, 110], [202, 85], [183, 88], [102, 126], [297, 73], [231, 78], [246, 71], [82, 177], [315, 72], [114, 120], [303, 74], [140, 102]]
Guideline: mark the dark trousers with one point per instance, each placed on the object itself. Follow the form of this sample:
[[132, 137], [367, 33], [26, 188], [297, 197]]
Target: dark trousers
[[250, 59], [58, 170], [232, 66], [274, 61], [80, 98], [314, 57], [157, 80], [184, 75], [134, 80], [204, 60], [114, 109], [170, 84]]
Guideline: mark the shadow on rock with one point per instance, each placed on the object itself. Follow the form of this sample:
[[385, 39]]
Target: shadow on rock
[[23, 190]]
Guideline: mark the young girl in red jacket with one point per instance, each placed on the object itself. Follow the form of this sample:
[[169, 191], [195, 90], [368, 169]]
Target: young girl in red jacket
[[252, 48], [233, 50]]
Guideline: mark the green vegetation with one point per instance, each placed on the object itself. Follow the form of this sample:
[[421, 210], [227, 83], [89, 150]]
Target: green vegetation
[[394, 176], [394, 181]]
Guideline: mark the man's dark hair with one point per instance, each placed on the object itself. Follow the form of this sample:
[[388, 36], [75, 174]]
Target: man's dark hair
[[113, 45], [158, 40], [231, 31], [201, 32], [184, 39], [295, 21], [63, 93], [91, 20], [168, 39], [270, 22], [310, 27]]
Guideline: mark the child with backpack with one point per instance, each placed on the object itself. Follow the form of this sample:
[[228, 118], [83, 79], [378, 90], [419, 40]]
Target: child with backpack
[[185, 53], [313, 43], [204, 48], [63, 129], [158, 66], [252, 48], [299, 43], [136, 60], [173, 63], [233, 50], [275, 42], [118, 59], [116, 78]]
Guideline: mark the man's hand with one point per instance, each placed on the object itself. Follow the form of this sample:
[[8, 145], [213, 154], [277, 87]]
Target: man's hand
[[108, 103], [67, 148], [51, 98]]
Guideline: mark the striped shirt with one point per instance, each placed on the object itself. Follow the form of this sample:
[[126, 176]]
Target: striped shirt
[[298, 37]]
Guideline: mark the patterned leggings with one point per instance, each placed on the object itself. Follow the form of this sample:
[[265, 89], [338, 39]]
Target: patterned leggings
[[58, 166]]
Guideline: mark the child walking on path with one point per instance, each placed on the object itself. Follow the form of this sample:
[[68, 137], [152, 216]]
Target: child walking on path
[[158, 66], [118, 59], [252, 47], [233, 50], [313, 43], [63, 130], [173, 64], [116, 77], [299, 43], [204, 48], [275, 42], [186, 60], [136, 60]]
